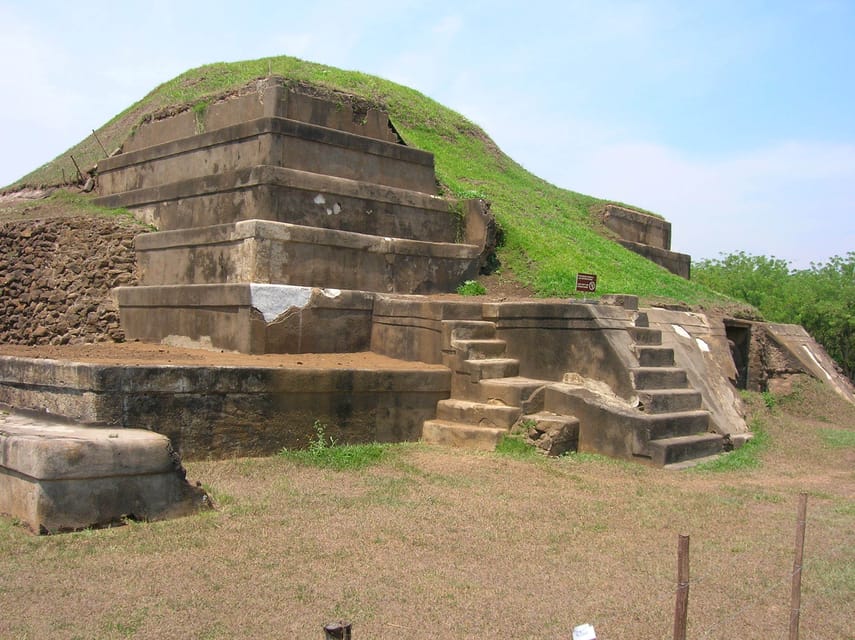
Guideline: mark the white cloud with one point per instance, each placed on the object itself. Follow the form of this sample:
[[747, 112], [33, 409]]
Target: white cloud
[[449, 26]]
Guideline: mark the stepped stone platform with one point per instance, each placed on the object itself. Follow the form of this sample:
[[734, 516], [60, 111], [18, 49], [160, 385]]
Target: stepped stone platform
[[569, 376], [297, 277], [270, 141], [280, 216], [59, 477]]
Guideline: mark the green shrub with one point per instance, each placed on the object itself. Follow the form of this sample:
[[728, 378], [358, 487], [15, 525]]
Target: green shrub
[[471, 288]]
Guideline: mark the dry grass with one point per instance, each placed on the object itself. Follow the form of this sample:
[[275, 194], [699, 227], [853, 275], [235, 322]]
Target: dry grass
[[437, 543]]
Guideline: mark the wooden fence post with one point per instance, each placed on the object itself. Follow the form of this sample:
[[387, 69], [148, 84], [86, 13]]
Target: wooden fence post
[[681, 608], [796, 587], [337, 631]]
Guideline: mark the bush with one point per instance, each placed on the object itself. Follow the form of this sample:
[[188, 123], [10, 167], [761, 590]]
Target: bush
[[471, 288]]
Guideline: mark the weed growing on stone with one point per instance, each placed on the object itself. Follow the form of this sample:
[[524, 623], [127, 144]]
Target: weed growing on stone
[[323, 451], [471, 288], [769, 400]]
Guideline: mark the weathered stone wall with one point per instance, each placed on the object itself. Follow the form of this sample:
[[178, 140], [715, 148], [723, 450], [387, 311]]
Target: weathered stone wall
[[56, 276]]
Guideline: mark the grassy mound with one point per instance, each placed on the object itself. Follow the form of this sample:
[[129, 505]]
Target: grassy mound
[[550, 233]]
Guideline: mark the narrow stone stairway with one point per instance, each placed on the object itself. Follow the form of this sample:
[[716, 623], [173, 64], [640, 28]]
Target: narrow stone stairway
[[487, 395], [676, 429]]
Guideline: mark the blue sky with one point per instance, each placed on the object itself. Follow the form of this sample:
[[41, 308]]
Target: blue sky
[[734, 120]]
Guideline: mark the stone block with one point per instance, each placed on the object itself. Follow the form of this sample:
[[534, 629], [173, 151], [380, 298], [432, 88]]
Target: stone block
[[59, 477], [638, 227]]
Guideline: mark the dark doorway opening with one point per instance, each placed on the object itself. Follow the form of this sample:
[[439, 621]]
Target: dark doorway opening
[[739, 338]]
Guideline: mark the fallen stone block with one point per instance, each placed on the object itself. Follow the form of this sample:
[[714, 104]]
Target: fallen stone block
[[62, 477]]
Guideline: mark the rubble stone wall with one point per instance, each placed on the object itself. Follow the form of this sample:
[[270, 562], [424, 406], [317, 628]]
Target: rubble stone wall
[[56, 276]]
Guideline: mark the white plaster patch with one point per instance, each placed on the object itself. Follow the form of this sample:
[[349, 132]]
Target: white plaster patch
[[331, 293], [703, 346], [319, 199], [336, 208], [272, 300], [680, 331], [816, 362]]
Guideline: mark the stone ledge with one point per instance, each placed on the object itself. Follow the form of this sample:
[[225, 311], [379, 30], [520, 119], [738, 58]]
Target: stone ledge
[[291, 195], [270, 141], [677, 263], [225, 411], [267, 252]]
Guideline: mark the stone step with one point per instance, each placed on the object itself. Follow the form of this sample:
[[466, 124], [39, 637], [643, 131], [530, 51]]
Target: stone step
[[645, 336], [467, 330], [466, 436], [554, 434], [477, 413], [297, 197], [270, 99], [668, 425], [262, 251], [513, 391], [668, 451], [649, 356], [669, 400], [659, 378], [691, 462], [480, 349], [270, 141], [491, 368]]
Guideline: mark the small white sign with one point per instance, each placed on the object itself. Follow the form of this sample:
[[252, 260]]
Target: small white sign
[[584, 632]]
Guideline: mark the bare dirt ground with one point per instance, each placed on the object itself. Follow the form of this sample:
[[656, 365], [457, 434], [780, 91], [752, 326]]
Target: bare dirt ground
[[139, 353], [441, 543]]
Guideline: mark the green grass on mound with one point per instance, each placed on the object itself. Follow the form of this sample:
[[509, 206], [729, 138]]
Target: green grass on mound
[[550, 233]]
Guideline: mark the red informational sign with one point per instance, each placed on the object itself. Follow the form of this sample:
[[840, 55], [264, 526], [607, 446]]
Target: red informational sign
[[586, 282]]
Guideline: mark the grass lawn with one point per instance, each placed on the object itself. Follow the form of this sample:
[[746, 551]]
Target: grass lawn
[[427, 542]]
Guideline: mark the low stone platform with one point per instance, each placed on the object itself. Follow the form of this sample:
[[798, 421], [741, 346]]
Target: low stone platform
[[59, 477], [220, 405]]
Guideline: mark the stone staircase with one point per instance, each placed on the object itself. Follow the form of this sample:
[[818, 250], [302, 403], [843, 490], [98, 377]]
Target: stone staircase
[[668, 427], [676, 428], [488, 395], [488, 399]]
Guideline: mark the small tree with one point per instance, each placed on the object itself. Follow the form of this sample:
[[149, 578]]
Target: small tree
[[821, 298]]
